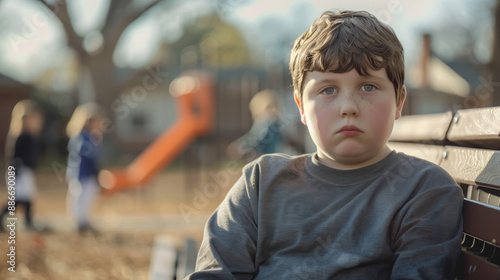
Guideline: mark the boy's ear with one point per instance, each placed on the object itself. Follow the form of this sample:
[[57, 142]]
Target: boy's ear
[[301, 109], [399, 107]]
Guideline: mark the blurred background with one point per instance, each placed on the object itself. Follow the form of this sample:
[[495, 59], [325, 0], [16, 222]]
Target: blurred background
[[124, 55]]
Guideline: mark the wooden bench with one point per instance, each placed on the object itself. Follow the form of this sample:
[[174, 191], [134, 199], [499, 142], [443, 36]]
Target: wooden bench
[[467, 145]]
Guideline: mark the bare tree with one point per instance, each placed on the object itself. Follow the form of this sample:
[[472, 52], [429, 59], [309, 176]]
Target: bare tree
[[106, 78]]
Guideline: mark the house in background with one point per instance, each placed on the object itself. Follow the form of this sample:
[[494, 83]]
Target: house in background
[[436, 86]]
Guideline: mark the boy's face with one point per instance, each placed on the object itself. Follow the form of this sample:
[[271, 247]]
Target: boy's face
[[349, 116]]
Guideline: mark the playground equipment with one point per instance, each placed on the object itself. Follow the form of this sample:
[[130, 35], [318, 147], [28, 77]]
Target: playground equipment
[[193, 92]]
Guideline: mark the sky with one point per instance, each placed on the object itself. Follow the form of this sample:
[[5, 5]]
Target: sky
[[409, 18], [33, 41]]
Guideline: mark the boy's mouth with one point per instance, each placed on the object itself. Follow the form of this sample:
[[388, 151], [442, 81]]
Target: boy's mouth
[[349, 130]]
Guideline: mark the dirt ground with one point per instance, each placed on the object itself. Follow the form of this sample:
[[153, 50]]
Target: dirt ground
[[174, 203]]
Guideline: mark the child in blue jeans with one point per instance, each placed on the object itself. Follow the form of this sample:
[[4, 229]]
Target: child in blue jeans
[[85, 132]]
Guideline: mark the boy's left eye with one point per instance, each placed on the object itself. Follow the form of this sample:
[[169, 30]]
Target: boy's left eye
[[329, 91], [368, 87]]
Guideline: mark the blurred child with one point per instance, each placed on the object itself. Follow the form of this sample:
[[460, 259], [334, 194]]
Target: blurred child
[[21, 152], [85, 133], [264, 136]]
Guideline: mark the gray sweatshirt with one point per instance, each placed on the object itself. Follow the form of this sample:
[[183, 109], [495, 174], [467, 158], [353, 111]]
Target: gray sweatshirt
[[294, 218]]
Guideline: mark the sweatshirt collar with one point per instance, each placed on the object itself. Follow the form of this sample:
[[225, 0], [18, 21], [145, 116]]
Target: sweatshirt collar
[[352, 176]]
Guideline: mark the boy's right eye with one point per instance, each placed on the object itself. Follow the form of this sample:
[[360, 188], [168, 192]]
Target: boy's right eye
[[329, 90]]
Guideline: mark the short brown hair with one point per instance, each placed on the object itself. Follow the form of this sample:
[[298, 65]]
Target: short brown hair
[[343, 40]]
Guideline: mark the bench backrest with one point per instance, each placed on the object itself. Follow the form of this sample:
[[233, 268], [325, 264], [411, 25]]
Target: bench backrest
[[467, 145]]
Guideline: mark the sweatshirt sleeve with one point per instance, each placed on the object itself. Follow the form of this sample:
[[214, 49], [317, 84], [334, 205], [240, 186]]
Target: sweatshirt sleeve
[[427, 242], [229, 243]]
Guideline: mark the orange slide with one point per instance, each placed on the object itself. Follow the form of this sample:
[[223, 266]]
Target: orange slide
[[193, 93]]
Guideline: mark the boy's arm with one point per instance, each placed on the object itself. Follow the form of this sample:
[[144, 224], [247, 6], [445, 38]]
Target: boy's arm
[[229, 243], [427, 243]]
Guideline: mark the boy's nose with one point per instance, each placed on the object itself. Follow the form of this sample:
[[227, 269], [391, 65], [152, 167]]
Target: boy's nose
[[349, 107]]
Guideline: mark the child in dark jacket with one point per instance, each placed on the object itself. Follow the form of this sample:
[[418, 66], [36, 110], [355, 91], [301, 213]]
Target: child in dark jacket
[[22, 149]]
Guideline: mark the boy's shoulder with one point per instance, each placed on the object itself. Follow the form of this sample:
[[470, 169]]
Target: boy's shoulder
[[428, 174], [405, 161], [277, 162]]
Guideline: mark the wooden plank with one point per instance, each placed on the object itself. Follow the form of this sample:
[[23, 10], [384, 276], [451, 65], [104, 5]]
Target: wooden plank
[[187, 259], [483, 195], [432, 153], [479, 127], [488, 198], [477, 268], [472, 166], [482, 221], [163, 259], [422, 128], [490, 176]]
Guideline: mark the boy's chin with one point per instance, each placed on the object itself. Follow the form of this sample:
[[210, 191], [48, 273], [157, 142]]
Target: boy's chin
[[349, 152], [348, 158], [341, 161]]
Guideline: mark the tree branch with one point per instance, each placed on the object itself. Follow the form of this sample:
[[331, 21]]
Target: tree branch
[[59, 9], [119, 19]]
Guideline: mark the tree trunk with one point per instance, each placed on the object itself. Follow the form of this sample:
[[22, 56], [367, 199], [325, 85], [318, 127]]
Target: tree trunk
[[102, 73]]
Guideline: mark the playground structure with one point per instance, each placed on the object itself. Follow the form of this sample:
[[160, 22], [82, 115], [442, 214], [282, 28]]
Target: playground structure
[[193, 92]]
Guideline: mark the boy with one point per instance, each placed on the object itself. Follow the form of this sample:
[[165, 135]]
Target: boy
[[354, 209]]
